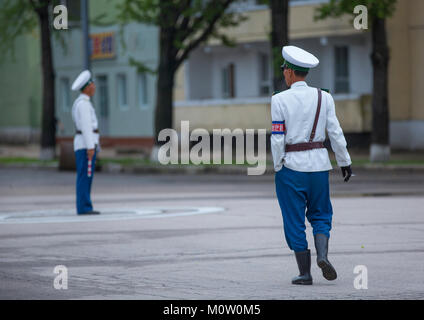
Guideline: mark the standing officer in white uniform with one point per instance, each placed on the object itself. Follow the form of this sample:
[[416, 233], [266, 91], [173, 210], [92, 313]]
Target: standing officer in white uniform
[[86, 141], [300, 117]]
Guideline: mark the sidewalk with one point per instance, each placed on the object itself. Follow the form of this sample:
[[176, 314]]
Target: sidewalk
[[133, 161]]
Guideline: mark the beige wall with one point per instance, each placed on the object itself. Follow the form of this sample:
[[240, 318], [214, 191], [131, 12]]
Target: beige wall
[[303, 25], [416, 37], [399, 65], [253, 116], [354, 116]]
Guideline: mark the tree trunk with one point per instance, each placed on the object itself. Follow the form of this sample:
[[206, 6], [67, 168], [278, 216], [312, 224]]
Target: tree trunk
[[48, 124], [164, 101], [165, 84], [380, 148], [279, 38]]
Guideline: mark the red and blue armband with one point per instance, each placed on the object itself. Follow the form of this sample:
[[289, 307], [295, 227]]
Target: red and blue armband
[[278, 127]]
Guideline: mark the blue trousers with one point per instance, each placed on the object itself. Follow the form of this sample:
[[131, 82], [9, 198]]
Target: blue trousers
[[303, 194], [84, 182]]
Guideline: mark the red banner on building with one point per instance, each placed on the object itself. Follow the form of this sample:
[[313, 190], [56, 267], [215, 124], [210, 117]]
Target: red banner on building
[[102, 46]]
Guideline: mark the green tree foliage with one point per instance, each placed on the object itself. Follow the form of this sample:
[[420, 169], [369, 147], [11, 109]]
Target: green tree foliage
[[183, 26], [191, 22]]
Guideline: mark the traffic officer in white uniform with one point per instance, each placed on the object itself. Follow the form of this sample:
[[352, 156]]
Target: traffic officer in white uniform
[[86, 141], [300, 117]]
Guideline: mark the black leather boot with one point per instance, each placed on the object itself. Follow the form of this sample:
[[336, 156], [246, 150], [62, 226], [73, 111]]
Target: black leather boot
[[321, 245], [304, 263]]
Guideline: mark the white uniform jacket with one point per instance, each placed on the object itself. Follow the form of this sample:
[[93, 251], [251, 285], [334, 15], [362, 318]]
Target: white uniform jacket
[[293, 113], [84, 117]]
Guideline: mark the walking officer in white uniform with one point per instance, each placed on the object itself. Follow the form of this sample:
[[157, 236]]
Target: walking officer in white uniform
[[86, 141], [300, 117]]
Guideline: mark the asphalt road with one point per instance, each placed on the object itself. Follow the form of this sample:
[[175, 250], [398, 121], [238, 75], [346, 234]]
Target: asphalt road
[[203, 237]]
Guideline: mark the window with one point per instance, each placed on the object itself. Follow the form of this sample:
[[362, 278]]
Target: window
[[341, 60], [65, 94], [228, 80], [122, 91], [142, 90], [103, 93], [264, 75]]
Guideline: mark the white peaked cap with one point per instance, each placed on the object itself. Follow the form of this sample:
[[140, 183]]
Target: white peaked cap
[[81, 81], [299, 57]]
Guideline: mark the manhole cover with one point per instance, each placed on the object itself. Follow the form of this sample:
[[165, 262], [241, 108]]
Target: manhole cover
[[59, 216]]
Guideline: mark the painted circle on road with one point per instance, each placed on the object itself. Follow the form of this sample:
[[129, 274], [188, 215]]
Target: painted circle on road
[[60, 216]]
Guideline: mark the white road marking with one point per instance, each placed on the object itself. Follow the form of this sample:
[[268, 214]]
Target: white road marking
[[129, 213]]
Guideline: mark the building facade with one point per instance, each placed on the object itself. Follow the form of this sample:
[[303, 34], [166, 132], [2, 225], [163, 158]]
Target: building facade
[[233, 89], [218, 87], [125, 98]]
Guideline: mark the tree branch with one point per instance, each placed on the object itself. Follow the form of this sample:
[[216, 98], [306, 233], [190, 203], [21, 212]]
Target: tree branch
[[206, 32]]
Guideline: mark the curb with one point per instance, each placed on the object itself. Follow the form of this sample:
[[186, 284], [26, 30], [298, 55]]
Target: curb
[[180, 169], [208, 169], [235, 169], [29, 166]]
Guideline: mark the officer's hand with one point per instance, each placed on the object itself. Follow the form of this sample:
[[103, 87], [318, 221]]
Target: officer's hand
[[347, 173], [90, 154]]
